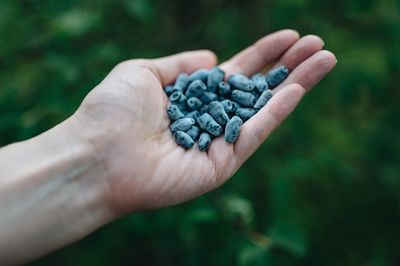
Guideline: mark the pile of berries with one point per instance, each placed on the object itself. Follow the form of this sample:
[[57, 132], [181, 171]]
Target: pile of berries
[[203, 106]]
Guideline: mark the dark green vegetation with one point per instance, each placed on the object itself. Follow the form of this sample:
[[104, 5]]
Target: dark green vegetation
[[323, 190]]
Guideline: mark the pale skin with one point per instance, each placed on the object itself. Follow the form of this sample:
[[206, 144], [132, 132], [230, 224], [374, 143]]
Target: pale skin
[[115, 155]]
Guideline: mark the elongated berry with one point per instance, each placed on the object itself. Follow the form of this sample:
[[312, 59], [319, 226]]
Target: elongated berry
[[194, 103], [177, 97], [246, 99], [245, 113], [204, 141], [263, 99], [208, 97], [241, 82], [195, 89], [174, 113], [276, 76], [224, 89], [183, 139], [193, 114], [236, 106], [181, 82], [169, 90], [204, 109], [182, 124], [232, 129], [215, 76], [228, 106], [194, 132], [260, 83], [217, 111], [208, 123], [201, 74]]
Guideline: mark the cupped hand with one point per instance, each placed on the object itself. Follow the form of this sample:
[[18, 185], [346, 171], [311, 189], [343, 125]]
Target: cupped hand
[[125, 121]]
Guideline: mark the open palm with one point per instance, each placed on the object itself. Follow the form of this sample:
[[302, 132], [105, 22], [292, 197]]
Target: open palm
[[126, 121]]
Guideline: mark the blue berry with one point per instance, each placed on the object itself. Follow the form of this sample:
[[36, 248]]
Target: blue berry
[[208, 97], [204, 141], [245, 113], [228, 106], [263, 99], [241, 82], [224, 89], [181, 82], [169, 90], [194, 103], [194, 132], [260, 83], [246, 99], [217, 111], [177, 97], [204, 109], [208, 123], [196, 88], [276, 76], [183, 139], [193, 114], [182, 124], [215, 76], [232, 129], [201, 74], [174, 113]]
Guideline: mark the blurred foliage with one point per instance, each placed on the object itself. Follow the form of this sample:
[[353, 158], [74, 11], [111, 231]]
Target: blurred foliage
[[323, 190]]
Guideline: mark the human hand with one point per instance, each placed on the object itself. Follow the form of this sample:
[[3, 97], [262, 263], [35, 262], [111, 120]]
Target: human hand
[[124, 119]]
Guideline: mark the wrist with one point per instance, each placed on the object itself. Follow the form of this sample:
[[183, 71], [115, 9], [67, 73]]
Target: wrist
[[56, 187], [88, 166]]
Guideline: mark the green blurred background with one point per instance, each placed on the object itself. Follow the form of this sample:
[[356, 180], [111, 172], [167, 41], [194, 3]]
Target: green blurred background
[[323, 190]]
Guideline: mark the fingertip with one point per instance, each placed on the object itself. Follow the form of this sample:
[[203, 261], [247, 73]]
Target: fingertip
[[327, 59], [314, 41], [289, 32], [205, 57], [211, 56]]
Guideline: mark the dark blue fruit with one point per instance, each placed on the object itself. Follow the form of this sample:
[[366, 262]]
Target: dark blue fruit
[[208, 123], [276, 76], [215, 76], [195, 89], [232, 129], [245, 113], [174, 113], [217, 111], [246, 99], [204, 141], [183, 139], [182, 124], [263, 99], [241, 82]]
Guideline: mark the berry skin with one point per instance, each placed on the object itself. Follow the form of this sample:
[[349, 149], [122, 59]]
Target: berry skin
[[182, 124], [263, 99], [183, 139], [232, 129], [276, 76], [204, 141]]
